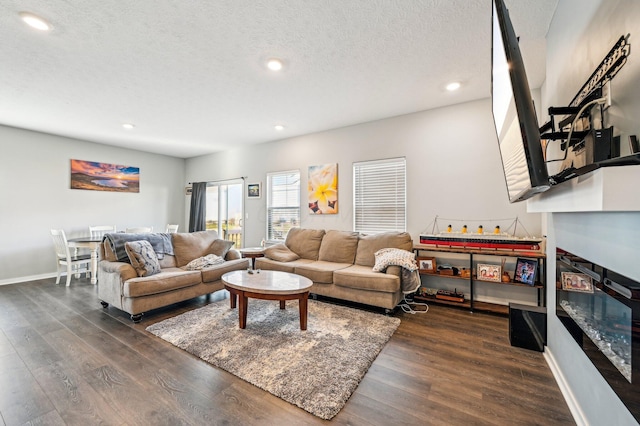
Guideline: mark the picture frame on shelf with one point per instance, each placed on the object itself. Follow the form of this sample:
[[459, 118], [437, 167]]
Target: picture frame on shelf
[[427, 265], [572, 281], [487, 272], [526, 271]]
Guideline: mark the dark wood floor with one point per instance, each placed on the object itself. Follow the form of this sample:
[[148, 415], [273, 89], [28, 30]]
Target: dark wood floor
[[65, 360]]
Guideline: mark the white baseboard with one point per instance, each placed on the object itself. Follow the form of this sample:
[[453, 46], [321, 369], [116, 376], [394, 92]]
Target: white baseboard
[[17, 280], [569, 397]]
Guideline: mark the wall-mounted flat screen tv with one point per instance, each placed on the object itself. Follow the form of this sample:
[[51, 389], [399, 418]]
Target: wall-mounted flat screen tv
[[514, 114]]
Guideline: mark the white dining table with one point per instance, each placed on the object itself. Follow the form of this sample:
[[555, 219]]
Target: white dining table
[[92, 244]]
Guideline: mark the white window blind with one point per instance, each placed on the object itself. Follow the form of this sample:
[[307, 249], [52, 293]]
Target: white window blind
[[283, 203], [379, 196]]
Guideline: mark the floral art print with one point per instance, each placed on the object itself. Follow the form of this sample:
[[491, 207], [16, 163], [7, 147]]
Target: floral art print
[[323, 189]]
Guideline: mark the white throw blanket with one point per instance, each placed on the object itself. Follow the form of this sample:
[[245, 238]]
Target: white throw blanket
[[203, 262], [410, 278]]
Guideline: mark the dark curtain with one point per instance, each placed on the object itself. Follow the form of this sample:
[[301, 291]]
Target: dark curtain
[[198, 212]]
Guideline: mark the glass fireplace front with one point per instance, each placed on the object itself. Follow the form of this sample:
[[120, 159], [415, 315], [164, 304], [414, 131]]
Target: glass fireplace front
[[601, 310]]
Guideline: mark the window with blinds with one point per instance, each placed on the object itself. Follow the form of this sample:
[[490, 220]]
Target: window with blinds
[[283, 203], [380, 196]]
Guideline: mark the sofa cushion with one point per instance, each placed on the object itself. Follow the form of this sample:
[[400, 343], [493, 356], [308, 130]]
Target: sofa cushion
[[364, 278], [214, 273], [142, 257], [166, 280], [220, 247], [320, 271], [338, 246], [305, 242], [281, 253], [189, 246], [168, 261], [274, 265], [368, 245]]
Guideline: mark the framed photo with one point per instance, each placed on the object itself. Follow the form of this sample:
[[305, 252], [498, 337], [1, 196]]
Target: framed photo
[[253, 190], [526, 270], [427, 265], [489, 272], [96, 176], [577, 282]]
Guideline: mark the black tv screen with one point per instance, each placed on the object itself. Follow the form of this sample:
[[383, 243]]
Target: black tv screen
[[514, 114]]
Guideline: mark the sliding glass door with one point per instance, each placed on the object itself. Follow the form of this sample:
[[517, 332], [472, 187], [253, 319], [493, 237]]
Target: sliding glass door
[[225, 210]]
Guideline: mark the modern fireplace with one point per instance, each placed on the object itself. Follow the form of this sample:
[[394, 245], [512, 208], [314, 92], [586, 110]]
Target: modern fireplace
[[601, 310]]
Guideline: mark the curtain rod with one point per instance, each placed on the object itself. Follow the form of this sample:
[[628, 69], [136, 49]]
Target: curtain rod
[[222, 180]]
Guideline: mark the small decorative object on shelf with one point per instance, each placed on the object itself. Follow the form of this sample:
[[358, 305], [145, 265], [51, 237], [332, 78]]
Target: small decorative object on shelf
[[448, 270], [526, 270], [489, 272], [506, 278], [427, 265], [497, 240], [452, 296]]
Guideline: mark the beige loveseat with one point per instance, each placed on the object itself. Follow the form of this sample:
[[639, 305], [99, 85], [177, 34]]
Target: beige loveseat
[[120, 285], [340, 264]]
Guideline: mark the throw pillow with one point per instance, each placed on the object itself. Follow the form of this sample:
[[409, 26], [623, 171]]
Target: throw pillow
[[204, 262], [192, 245], [392, 256], [338, 246], [305, 242], [220, 247], [368, 245], [142, 257], [281, 253]]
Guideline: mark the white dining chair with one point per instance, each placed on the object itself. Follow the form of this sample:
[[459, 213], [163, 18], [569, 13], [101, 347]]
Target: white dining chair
[[64, 257], [172, 229], [99, 231], [140, 230]]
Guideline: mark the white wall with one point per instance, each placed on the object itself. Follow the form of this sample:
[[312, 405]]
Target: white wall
[[581, 34], [453, 169], [35, 196]]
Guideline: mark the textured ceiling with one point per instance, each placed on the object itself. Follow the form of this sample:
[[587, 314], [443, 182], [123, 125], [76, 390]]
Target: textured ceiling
[[190, 74]]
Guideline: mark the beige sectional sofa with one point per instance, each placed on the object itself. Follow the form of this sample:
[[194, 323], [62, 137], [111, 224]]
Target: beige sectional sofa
[[340, 264], [120, 285]]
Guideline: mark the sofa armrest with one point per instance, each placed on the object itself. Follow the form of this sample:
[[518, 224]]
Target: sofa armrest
[[125, 270], [394, 270], [233, 254]]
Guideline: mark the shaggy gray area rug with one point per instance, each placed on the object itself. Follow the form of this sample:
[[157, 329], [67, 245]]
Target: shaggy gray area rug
[[317, 369]]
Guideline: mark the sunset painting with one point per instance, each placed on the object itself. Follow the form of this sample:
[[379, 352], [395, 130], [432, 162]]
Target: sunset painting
[[104, 177]]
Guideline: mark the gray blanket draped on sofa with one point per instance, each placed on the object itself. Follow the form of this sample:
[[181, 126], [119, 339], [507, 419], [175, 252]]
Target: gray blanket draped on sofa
[[160, 241]]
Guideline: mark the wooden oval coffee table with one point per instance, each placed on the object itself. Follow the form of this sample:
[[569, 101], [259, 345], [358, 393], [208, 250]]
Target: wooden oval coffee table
[[268, 285]]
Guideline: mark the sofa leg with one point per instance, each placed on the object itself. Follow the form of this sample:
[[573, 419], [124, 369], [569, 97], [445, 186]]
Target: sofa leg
[[136, 318], [104, 304], [388, 311]]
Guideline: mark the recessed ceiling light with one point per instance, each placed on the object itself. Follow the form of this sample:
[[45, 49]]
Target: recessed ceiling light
[[274, 64], [279, 127], [453, 86], [35, 21], [128, 126]]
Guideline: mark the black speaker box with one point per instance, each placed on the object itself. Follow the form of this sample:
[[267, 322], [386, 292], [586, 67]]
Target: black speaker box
[[528, 326]]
